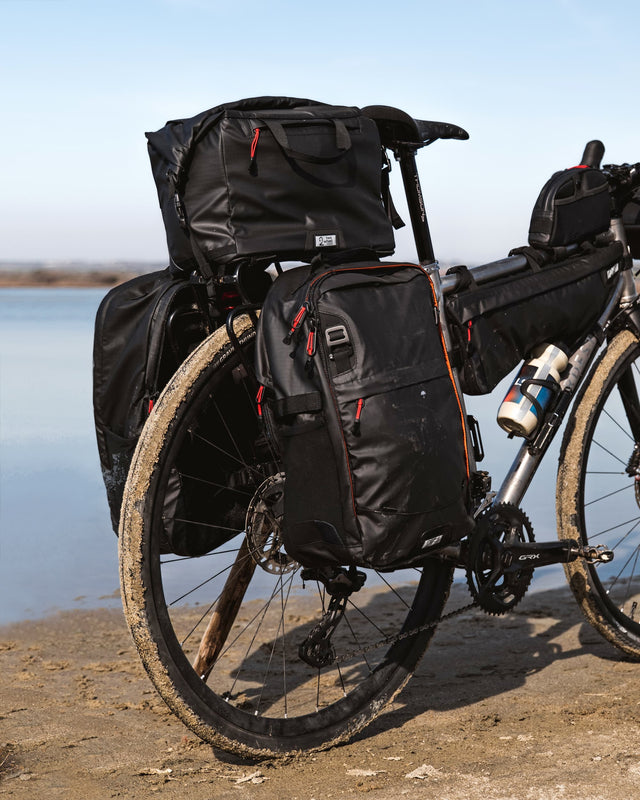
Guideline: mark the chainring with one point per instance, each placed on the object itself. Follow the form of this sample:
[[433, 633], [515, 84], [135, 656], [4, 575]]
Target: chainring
[[263, 527], [495, 591]]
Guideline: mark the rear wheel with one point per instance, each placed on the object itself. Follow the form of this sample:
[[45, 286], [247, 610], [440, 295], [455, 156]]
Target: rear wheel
[[598, 498], [219, 633]]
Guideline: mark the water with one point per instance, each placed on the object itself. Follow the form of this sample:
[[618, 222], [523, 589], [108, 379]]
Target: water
[[57, 549]]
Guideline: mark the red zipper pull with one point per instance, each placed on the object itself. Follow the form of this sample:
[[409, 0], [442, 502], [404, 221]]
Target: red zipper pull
[[259, 400], [311, 351], [253, 167], [356, 422], [311, 343], [297, 321], [469, 324]]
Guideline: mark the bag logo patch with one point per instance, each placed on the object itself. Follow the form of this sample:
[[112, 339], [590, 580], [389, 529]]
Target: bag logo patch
[[613, 271], [326, 240]]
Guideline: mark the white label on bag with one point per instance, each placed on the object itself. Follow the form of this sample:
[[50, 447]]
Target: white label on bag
[[327, 240]]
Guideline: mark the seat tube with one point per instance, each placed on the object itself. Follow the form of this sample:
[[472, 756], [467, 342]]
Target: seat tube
[[406, 155]]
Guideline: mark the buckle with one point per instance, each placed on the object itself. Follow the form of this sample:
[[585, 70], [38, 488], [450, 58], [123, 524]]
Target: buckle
[[336, 336]]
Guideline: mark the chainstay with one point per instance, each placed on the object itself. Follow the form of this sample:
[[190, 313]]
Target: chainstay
[[399, 637]]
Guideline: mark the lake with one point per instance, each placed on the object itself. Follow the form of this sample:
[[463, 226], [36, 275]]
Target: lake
[[57, 548]]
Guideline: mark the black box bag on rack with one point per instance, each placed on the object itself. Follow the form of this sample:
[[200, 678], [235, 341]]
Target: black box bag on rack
[[271, 178]]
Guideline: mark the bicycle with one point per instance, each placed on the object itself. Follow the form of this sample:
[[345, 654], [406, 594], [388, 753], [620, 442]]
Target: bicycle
[[229, 661]]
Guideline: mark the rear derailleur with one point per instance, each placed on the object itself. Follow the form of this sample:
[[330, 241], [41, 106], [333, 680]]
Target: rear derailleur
[[340, 583], [501, 556]]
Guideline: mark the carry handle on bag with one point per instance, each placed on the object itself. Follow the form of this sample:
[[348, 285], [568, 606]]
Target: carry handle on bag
[[343, 142]]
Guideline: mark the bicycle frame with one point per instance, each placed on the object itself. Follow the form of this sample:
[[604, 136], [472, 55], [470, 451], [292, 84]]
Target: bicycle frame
[[623, 299]]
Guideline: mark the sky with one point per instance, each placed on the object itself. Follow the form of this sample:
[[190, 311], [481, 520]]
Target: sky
[[81, 81]]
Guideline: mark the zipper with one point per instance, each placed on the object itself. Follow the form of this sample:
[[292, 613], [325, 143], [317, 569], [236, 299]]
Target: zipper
[[259, 398], [253, 166], [356, 422], [297, 322], [311, 347]]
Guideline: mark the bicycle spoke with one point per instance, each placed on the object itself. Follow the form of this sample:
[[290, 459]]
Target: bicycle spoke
[[610, 494], [609, 452], [397, 594], [226, 488], [615, 422], [207, 580], [225, 452]]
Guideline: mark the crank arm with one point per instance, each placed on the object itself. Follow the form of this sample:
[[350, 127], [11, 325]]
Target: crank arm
[[531, 555]]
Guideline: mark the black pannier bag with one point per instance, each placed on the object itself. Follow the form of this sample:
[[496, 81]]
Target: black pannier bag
[[144, 329], [573, 207], [357, 386], [631, 222], [270, 177], [497, 325]]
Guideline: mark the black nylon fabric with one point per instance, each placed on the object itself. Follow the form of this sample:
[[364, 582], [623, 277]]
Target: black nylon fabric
[[378, 477], [572, 207], [631, 222], [226, 195], [132, 361], [498, 324]]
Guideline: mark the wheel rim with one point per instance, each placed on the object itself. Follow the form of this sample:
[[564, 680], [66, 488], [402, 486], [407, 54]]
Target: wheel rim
[[258, 683], [609, 501]]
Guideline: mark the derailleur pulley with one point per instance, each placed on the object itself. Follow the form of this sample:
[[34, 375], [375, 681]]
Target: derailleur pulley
[[317, 649]]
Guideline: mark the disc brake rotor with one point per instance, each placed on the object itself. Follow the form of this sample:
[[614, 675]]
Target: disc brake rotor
[[263, 527]]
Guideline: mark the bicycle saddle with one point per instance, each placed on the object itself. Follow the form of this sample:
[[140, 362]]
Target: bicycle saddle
[[396, 127]]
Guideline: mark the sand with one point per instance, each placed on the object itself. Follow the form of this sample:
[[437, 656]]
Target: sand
[[534, 705]]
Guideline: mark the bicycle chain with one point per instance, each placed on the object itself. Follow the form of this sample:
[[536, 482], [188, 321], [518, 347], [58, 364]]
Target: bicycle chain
[[399, 637]]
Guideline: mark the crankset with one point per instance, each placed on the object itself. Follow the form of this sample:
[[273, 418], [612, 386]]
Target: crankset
[[502, 556]]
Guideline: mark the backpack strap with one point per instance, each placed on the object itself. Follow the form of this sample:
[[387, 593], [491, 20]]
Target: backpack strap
[[298, 404]]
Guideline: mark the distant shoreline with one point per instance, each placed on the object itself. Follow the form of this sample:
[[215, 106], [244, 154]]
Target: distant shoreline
[[60, 278]]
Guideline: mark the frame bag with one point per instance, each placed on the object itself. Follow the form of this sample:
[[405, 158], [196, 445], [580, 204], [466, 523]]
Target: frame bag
[[631, 222], [144, 329], [497, 325], [358, 391], [270, 178]]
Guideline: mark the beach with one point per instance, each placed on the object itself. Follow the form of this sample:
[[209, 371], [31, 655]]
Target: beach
[[530, 706]]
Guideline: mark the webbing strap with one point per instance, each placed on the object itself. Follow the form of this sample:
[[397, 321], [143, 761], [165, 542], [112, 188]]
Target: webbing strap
[[298, 404]]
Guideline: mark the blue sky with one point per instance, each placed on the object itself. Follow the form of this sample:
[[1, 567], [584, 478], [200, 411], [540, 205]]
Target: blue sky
[[82, 81]]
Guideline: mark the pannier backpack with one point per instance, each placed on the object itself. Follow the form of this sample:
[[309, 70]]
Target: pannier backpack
[[144, 329], [357, 389]]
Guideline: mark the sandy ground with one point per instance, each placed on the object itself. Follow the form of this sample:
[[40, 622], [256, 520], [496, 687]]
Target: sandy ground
[[530, 706]]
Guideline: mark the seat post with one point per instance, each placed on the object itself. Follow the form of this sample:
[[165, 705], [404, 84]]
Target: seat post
[[406, 155]]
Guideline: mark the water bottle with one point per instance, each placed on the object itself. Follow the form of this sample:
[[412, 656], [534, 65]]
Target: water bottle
[[519, 414]]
